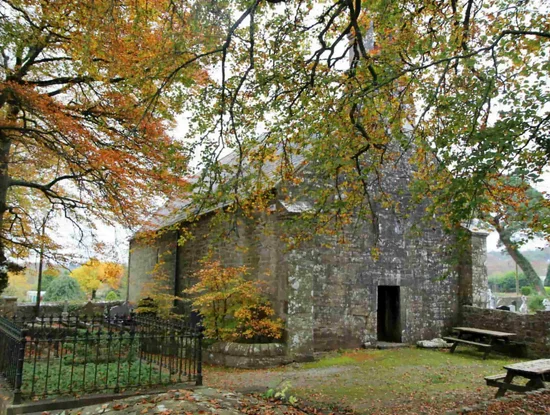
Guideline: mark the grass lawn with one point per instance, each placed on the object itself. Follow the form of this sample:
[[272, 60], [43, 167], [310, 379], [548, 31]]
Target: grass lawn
[[401, 381]]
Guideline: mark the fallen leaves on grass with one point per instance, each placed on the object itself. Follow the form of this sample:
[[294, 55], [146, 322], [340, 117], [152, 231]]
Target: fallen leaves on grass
[[359, 355], [119, 406], [527, 404]]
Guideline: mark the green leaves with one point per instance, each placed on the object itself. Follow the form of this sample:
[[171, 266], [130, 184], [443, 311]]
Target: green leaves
[[455, 92]]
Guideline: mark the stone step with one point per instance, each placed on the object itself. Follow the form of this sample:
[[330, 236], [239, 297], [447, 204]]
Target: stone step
[[389, 345]]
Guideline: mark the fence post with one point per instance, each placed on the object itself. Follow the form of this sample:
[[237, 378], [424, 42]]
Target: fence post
[[198, 352], [19, 368]]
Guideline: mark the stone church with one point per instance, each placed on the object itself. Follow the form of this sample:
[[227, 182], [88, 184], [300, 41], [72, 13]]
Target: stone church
[[334, 295]]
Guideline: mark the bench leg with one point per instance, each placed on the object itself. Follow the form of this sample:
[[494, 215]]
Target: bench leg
[[453, 347], [508, 379], [455, 344], [536, 383], [488, 349]]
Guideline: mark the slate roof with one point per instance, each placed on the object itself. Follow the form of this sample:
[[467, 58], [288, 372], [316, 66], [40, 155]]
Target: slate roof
[[175, 211]]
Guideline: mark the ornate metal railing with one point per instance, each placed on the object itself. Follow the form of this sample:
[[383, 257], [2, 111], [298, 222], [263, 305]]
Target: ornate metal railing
[[68, 355]]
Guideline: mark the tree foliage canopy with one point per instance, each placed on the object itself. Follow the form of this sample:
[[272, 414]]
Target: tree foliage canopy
[[93, 273], [83, 127], [232, 308], [458, 89], [48, 276], [18, 285], [64, 288], [518, 212], [506, 282]]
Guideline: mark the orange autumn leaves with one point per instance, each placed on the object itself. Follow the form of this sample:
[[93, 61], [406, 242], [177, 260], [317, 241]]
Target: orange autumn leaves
[[232, 307], [88, 93], [514, 202]]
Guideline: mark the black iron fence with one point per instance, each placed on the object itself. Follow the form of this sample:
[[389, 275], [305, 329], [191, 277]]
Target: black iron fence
[[69, 355]]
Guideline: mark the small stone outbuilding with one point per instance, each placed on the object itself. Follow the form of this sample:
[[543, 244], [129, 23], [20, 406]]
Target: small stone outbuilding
[[330, 294]]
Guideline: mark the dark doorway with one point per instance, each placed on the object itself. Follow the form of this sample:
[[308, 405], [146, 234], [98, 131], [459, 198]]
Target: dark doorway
[[389, 323]]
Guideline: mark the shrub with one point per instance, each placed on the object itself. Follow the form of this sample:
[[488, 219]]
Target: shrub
[[48, 276], [232, 308], [64, 288], [147, 306], [526, 290], [112, 296], [507, 282], [535, 302], [547, 289]]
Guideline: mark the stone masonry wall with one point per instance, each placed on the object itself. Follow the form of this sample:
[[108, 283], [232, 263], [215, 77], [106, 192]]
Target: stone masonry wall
[[480, 281], [346, 278], [304, 268], [471, 267], [253, 243], [250, 356], [327, 292], [415, 254], [152, 261], [8, 306], [531, 329]]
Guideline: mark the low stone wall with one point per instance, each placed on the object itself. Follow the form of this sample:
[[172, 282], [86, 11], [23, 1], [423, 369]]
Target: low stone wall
[[26, 310], [532, 329], [248, 356], [8, 306]]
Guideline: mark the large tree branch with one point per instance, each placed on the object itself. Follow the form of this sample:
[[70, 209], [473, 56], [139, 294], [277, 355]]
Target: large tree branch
[[518, 257], [48, 186], [70, 80]]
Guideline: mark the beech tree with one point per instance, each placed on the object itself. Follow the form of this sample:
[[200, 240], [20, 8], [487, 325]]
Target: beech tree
[[458, 89], [83, 128], [518, 212], [232, 308]]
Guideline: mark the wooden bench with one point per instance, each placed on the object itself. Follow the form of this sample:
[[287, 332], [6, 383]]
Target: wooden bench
[[498, 381], [536, 371], [471, 343], [484, 339], [494, 378]]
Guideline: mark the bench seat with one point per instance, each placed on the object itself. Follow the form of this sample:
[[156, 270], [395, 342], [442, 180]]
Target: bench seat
[[471, 343], [497, 381], [495, 378]]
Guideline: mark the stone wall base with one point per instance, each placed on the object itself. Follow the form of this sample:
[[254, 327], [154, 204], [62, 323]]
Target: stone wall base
[[247, 356]]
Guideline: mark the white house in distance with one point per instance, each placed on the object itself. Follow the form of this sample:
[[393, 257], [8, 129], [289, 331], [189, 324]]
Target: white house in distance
[[33, 294]]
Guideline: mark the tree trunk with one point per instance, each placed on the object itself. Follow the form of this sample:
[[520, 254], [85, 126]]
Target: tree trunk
[[520, 260], [10, 112], [5, 146]]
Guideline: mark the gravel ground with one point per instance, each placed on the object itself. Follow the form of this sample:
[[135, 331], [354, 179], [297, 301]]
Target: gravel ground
[[183, 402]]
